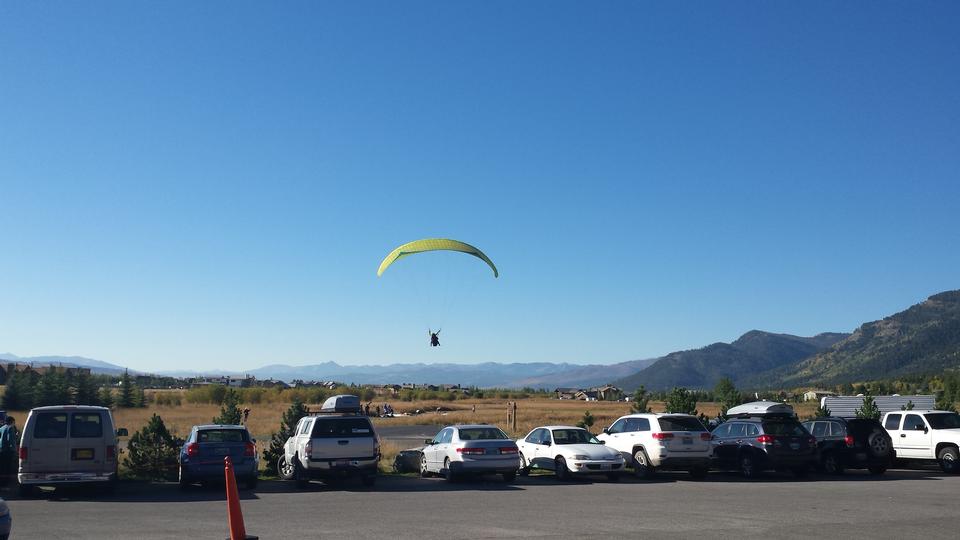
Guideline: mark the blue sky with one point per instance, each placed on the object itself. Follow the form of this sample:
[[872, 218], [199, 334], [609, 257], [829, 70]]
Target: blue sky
[[212, 185]]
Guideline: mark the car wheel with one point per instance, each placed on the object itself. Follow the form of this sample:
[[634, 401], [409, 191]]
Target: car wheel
[[183, 479], [424, 472], [878, 444], [877, 469], [524, 469], [284, 468], [448, 472], [698, 473], [369, 481], [832, 464], [748, 467], [509, 477], [641, 464], [299, 475], [560, 467], [948, 460]]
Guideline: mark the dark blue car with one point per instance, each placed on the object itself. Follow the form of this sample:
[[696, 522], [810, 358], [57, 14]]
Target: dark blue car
[[201, 457]]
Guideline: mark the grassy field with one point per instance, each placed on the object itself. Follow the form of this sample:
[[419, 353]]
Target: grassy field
[[264, 418]]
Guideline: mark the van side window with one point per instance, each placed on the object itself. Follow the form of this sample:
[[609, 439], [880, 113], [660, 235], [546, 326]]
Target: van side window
[[893, 421], [86, 425], [50, 426]]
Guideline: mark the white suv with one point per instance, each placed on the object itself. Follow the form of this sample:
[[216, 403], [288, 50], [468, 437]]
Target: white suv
[[666, 441], [926, 435]]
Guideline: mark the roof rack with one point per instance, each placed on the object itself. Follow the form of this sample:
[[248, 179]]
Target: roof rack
[[342, 404]]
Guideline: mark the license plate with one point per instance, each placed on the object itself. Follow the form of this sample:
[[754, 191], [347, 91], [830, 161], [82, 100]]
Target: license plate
[[688, 440], [794, 446], [493, 450], [861, 456], [83, 453], [342, 463], [222, 451]]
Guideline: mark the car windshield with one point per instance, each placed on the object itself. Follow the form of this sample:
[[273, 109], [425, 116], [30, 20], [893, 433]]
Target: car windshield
[[221, 435], [945, 420], [680, 423], [791, 429], [482, 434], [574, 436]]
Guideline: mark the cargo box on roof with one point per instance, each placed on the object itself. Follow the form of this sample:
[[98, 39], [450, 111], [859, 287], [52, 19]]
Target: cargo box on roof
[[761, 408], [343, 403]]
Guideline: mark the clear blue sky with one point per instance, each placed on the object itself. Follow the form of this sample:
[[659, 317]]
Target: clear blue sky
[[211, 185]]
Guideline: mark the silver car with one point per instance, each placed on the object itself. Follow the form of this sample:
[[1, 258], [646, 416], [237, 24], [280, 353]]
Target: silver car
[[470, 449]]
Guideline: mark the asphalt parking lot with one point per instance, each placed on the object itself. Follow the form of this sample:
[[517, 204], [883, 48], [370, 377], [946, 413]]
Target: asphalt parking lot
[[899, 504]]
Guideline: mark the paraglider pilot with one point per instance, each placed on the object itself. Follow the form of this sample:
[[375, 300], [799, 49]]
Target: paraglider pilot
[[434, 338]]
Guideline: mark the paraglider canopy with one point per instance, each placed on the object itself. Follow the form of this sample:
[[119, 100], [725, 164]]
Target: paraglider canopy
[[434, 244]]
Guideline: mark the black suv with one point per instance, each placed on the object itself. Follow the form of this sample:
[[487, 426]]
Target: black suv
[[755, 444], [851, 443]]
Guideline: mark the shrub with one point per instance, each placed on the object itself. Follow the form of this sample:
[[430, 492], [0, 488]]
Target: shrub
[[152, 452]]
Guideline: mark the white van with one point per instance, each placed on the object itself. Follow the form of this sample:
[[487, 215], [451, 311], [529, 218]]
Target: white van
[[67, 444]]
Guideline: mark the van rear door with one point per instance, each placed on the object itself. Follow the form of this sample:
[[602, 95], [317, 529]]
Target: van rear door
[[48, 450], [87, 448]]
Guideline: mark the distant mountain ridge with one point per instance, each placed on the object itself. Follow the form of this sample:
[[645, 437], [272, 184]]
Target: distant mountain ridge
[[752, 352], [96, 366]]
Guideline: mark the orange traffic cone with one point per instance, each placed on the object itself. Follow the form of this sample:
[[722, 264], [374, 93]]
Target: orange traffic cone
[[234, 514]]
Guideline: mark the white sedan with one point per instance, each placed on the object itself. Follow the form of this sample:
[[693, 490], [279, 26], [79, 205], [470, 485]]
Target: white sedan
[[568, 450]]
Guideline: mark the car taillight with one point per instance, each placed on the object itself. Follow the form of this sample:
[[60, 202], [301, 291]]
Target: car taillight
[[705, 436], [509, 450], [111, 452], [249, 450], [765, 439], [193, 449], [23, 453], [661, 436], [308, 449], [470, 451], [849, 440]]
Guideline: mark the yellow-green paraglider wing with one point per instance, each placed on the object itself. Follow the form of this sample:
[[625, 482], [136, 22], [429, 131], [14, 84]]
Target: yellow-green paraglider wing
[[434, 244]]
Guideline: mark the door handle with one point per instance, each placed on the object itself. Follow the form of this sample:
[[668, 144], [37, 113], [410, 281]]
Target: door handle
[[903, 435]]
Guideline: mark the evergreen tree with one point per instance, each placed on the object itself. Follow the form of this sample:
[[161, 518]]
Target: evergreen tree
[[288, 423], [85, 391], [18, 395], [125, 399], [727, 395], [105, 397], [52, 389], [908, 407], [869, 408], [821, 412], [230, 413], [641, 401], [139, 397], [153, 452], [681, 400], [586, 421]]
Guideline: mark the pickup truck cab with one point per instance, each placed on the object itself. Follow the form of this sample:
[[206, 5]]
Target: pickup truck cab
[[926, 435], [334, 444]]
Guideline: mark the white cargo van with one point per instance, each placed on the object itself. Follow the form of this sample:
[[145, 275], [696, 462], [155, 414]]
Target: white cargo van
[[67, 444]]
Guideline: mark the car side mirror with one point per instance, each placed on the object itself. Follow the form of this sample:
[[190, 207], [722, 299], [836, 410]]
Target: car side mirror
[[921, 428], [606, 430], [547, 443], [428, 442], [122, 432]]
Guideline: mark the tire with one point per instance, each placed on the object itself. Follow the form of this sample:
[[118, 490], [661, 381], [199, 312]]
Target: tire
[[560, 467], [524, 469], [299, 475], [641, 464], [509, 477], [182, 479], [948, 459], [800, 472], [285, 469], [698, 473], [448, 472], [424, 473], [877, 470], [369, 481], [831, 463], [747, 466], [878, 444]]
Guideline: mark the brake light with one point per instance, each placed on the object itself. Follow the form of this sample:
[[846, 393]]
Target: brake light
[[23, 453], [705, 436], [249, 450], [765, 439], [193, 449], [849, 440], [661, 436], [470, 451], [308, 449], [509, 450], [111, 452]]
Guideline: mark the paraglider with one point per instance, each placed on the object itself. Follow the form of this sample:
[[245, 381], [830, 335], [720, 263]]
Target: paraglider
[[434, 244]]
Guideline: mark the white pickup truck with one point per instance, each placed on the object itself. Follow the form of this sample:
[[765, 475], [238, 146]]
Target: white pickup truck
[[926, 435], [336, 443]]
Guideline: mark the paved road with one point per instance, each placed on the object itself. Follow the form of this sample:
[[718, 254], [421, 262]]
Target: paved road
[[900, 504]]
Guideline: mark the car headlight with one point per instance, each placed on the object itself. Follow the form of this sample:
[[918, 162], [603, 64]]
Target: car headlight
[[581, 457]]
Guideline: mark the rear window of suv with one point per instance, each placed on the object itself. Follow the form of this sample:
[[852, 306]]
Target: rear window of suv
[[222, 435], [50, 426], [341, 427], [790, 429], [943, 420], [680, 423]]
